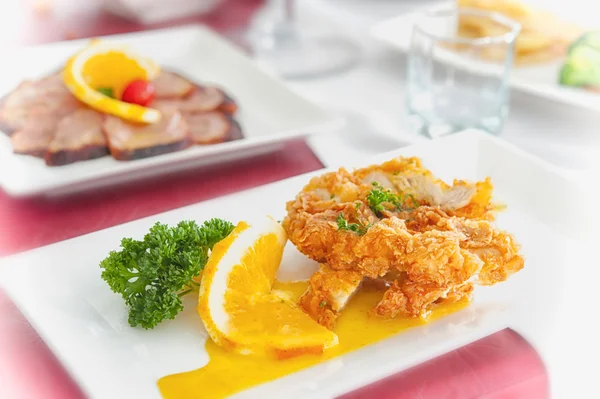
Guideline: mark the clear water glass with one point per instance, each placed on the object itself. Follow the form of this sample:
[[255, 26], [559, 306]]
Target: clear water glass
[[457, 79]]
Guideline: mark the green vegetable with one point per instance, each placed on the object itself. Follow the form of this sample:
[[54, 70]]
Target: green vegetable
[[582, 67], [107, 91], [153, 274], [379, 196], [588, 39], [355, 227]]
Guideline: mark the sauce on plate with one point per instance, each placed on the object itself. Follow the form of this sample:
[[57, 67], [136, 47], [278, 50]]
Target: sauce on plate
[[227, 373]]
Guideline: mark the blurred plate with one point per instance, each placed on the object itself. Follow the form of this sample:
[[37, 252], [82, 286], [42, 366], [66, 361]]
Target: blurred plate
[[155, 11], [540, 80], [270, 112]]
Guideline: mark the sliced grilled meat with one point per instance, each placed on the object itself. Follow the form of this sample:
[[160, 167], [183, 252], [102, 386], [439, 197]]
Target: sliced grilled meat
[[202, 99], [212, 127], [127, 141], [171, 85], [15, 106], [48, 96], [35, 135], [229, 106], [196, 98], [78, 137], [44, 119]]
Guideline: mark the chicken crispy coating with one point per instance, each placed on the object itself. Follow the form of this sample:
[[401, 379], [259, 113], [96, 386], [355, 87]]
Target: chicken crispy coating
[[329, 292], [397, 222]]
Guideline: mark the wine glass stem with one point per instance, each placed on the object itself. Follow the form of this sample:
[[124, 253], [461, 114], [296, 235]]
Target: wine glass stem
[[290, 12], [280, 19]]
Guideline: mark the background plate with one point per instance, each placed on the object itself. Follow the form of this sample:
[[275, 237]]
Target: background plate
[[540, 80], [270, 113]]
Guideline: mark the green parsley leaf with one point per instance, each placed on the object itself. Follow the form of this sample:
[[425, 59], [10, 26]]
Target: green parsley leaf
[[355, 227], [153, 274], [107, 91], [378, 196]]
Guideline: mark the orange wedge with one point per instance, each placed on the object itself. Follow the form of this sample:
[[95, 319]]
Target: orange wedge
[[240, 310], [108, 65]]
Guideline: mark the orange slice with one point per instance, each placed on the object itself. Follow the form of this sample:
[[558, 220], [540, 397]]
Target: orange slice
[[108, 65], [240, 310]]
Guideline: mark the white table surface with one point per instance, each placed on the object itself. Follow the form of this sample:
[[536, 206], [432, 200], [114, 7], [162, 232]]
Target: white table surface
[[371, 96]]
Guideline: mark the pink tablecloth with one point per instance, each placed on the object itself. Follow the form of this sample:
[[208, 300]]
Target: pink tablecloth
[[500, 366]]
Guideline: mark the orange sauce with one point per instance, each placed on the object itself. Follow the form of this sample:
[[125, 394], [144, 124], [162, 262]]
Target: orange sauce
[[227, 373]]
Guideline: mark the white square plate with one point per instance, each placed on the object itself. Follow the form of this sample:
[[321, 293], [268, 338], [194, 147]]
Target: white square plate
[[59, 289], [270, 112], [540, 80]]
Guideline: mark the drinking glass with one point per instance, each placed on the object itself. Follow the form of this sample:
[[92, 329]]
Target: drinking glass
[[458, 69], [275, 39]]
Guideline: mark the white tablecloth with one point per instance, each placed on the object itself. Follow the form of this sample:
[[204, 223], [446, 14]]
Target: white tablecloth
[[371, 97]]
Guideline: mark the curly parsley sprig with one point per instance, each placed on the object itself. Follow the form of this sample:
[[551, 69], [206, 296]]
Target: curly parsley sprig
[[343, 224], [378, 196], [153, 274]]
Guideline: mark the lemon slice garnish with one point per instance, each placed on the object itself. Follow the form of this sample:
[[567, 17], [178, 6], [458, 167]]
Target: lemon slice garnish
[[104, 64], [240, 310]]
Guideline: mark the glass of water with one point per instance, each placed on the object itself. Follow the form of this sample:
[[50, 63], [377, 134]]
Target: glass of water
[[458, 70]]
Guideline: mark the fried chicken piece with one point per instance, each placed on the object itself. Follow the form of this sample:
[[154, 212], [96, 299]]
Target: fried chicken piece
[[500, 258], [434, 262], [439, 254], [440, 261], [328, 293], [457, 294], [417, 300], [317, 234], [433, 248], [311, 219], [436, 269], [497, 249], [408, 176]]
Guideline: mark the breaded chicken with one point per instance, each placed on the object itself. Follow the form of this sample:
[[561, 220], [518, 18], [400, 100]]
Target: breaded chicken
[[328, 293], [397, 222], [326, 197]]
